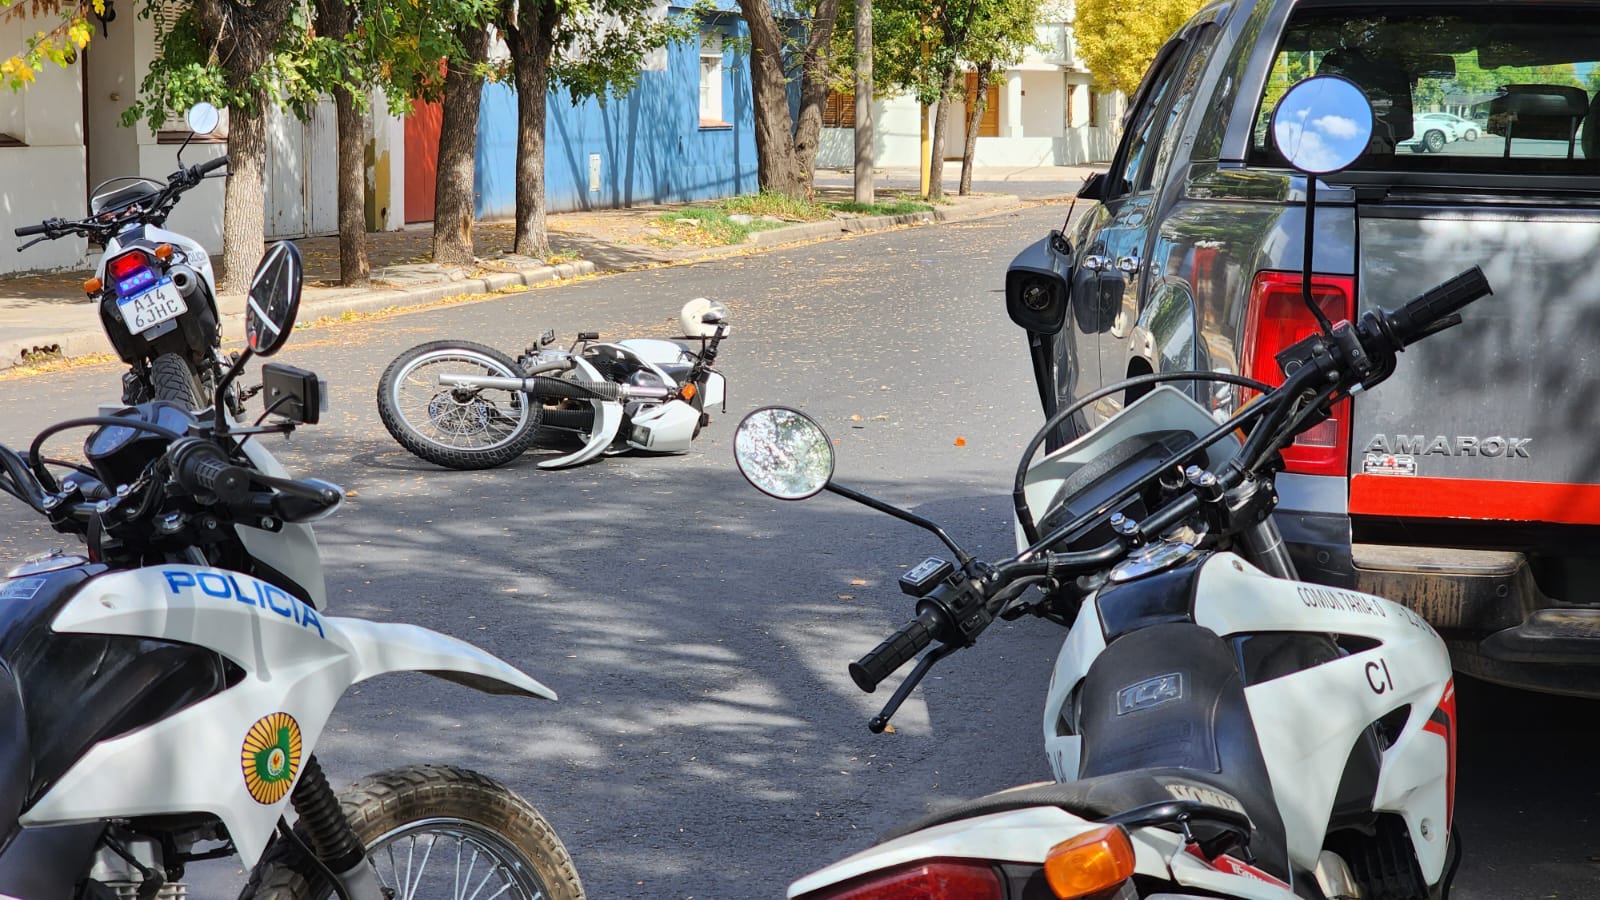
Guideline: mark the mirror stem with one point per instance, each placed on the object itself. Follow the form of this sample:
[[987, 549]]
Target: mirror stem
[[220, 399], [902, 515], [1311, 233]]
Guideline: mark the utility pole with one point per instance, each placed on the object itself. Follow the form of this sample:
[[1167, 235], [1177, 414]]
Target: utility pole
[[864, 161]]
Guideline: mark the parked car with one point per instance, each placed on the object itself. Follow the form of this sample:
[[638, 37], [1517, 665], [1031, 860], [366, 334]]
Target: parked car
[[1468, 489], [1462, 129], [1431, 135]]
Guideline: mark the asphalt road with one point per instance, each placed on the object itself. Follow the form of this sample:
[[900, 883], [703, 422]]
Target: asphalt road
[[708, 742]]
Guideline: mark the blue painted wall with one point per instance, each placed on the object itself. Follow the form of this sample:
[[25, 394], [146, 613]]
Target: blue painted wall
[[652, 148]]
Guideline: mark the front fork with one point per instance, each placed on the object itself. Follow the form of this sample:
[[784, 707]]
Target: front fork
[[333, 842]]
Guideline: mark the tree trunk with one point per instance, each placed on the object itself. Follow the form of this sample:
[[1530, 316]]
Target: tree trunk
[[243, 35], [334, 21], [453, 210], [863, 123], [531, 44], [244, 225], [977, 105], [941, 125], [777, 169], [814, 91]]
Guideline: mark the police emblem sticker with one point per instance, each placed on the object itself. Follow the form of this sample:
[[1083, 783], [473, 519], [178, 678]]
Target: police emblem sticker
[[271, 757]]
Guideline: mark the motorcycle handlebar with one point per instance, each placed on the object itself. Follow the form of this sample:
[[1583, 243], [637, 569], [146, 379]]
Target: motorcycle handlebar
[[28, 230], [897, 649], [1429, 312], [211, 165], [201, 467]]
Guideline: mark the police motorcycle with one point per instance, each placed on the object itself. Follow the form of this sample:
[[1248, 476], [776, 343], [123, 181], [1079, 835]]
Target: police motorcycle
[[162, 696], [154, 288], [464, 405], [1216, 728]]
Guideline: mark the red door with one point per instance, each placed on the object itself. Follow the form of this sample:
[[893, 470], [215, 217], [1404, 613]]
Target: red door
[[422, 160]]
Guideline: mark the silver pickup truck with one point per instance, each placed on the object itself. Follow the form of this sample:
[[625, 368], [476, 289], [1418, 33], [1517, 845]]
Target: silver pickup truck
[[1469, 487]]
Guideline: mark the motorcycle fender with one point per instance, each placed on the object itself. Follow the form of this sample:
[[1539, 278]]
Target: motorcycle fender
[[607, 419], [1021, 836], [668, 428], [296, 663]]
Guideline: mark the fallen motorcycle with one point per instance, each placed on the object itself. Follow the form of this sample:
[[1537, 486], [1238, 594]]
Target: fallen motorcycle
[[1217, 728], [464, 405], [155, 288], [162, 697]]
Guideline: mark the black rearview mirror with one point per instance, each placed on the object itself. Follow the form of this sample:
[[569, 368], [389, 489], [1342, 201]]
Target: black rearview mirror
[[274, 299]]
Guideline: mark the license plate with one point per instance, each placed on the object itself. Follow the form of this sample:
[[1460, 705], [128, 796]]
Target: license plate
[[162, 303]]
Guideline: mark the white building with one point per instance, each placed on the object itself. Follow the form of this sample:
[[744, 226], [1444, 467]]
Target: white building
[[1043, 112], [62, 136]]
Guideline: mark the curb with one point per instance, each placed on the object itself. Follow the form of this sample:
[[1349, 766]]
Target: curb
[[89, 341]]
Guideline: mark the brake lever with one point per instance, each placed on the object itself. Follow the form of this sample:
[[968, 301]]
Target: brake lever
[[881, 720], [36, 240]]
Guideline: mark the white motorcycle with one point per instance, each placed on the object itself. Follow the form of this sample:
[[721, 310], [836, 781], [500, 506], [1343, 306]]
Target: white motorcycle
[[1215, 726], [464, 405], [155, 289], [163, 696]]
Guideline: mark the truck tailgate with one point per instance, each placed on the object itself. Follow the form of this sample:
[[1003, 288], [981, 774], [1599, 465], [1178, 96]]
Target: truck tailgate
[[1497, 418]]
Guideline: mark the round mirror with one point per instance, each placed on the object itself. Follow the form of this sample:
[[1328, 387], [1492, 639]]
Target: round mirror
[[202, 118], [1322, 125], [783, 452], [274, 299]]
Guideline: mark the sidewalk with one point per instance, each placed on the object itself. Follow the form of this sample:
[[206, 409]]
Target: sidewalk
[[49, 313]]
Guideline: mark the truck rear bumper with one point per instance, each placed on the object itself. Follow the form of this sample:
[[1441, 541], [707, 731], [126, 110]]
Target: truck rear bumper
[[1498, 624]]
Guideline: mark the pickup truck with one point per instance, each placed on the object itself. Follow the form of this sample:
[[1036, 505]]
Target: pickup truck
[[1468, 486]]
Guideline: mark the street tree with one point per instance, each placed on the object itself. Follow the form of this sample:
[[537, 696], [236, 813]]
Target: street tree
[[802, 31], [1001, 32], [586, 48], [69, 31], [1118, 41]]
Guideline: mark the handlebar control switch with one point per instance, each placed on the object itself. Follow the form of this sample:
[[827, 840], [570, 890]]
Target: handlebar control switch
[[922, 578]]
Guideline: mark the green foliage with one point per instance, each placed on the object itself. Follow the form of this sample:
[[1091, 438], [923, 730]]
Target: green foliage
[[57, 46], [1117, 40], [605, 42], [916, 45], [772, 203], [883, 208]]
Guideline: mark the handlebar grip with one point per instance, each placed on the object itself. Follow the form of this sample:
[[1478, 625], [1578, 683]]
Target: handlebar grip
[[211, 165], [1418, 318], [201, 467], [893, 653], [27, 230]]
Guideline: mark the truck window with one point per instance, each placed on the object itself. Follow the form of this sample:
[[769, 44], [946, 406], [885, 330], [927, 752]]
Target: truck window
[[1133, 157], [1485, 88]]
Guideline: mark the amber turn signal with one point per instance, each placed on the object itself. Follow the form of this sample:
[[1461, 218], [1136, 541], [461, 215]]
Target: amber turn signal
[[92, 286], [687, 392], [164, 252], [1089, 863]]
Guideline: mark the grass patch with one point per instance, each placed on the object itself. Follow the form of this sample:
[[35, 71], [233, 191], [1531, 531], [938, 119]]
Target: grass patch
[[775, 205], [703, 226], [888, 208]]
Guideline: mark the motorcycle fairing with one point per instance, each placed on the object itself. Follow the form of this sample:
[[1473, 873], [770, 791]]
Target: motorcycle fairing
[[295, 661], [291, 550], [1307, 721], [668, 428], [607, 419]]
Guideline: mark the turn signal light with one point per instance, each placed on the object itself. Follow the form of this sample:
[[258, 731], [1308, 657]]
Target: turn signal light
[[1089, 863], [164, 252], [92, 286], [687, 392], [939, 879]]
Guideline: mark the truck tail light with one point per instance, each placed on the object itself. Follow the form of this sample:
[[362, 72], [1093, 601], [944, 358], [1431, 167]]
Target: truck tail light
[[1278, 317], [939, 879]]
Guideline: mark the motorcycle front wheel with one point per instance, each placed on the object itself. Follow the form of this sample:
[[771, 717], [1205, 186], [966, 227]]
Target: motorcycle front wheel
[[435, 832], [458, 428]]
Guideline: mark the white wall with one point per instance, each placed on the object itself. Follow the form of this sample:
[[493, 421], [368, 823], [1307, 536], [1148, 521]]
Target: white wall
[[44, 179], [1043, 104]]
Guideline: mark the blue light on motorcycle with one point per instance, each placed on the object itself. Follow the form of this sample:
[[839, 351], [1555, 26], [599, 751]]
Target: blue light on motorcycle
[[133, 273]]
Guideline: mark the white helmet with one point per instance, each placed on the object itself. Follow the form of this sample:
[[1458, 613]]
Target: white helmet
[[700, 318]]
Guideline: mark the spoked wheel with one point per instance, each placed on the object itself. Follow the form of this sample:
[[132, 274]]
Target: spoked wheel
[[456, 427], [435, 832]]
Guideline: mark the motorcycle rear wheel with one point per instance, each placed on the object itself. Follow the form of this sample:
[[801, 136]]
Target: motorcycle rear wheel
[[423, 826], [173, 378], [452, 427]]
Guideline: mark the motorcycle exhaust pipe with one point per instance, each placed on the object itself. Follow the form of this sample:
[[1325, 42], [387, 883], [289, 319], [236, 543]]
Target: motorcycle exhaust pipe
[[184, 279], [557, 388]]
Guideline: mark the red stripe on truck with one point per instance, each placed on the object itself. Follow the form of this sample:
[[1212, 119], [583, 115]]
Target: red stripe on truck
[[1463, 498]]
